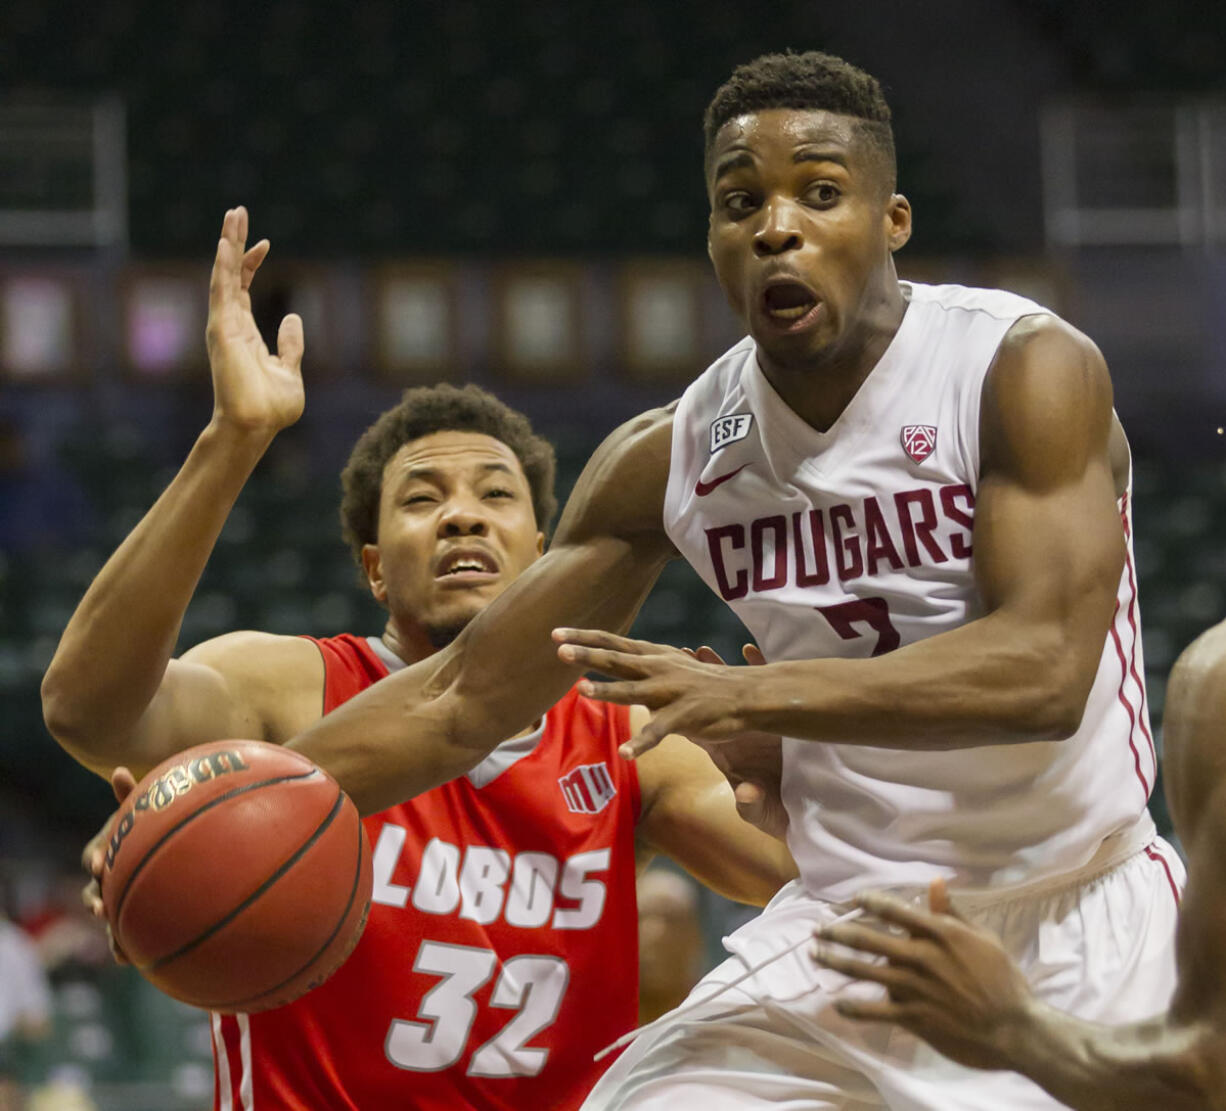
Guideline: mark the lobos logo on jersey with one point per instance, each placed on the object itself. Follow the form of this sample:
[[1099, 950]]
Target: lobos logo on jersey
[[588, 789], [727, 430], [918, 440]]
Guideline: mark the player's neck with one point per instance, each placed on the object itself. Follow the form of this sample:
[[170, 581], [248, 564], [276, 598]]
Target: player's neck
[[407, 640], [821, 387]]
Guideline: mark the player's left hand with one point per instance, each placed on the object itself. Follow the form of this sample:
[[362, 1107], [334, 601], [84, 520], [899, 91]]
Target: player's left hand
[[947, 981], [685, 695], [93, 857]]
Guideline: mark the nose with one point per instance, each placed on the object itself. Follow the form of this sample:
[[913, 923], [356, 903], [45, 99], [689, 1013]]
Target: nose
[[463, 517], [778, 231]]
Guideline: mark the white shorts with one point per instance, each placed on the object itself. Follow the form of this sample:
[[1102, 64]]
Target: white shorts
[[1100, 947]]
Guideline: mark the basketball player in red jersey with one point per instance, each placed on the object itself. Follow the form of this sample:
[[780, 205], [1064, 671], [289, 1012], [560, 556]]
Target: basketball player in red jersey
[[501, 949], [917, 499], [953, 984]]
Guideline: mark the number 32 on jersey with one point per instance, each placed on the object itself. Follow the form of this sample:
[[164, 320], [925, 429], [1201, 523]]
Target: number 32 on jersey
[[532, 986]]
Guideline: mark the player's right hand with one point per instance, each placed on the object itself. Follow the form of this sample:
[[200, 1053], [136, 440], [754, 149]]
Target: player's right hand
[[254, 391], [93, 857]]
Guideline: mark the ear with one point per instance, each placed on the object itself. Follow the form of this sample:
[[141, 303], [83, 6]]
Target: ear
[[372, 564], [898, 221], [540, 543]]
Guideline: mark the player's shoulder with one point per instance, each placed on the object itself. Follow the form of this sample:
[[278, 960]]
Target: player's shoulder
[[249, 648], [1202, 665], [621, 490], [1000, 304], [267, 665]]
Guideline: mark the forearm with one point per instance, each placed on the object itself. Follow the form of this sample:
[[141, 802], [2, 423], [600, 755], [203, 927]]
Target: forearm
[[439, 718], [1091, 1067], [116, 647], [990, 681]]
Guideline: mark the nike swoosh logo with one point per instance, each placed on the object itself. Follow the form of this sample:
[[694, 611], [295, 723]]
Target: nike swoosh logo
[[702, 489]]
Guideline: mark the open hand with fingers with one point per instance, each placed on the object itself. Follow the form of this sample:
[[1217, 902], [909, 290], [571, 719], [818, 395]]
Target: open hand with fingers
[[947, 981], [685, 694], [254, 391]]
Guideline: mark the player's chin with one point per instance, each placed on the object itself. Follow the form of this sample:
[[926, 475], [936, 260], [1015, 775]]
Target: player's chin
[[786, 348]]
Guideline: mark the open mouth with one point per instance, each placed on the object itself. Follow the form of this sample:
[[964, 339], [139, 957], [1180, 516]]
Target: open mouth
[[463, 563], [787, 302]]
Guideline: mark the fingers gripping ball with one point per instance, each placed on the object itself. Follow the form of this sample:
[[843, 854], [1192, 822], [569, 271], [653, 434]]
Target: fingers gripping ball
[[237, 876]]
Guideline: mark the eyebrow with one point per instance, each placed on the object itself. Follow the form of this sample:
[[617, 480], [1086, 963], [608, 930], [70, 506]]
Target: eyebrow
[[837, 157], [427, 473], [743, 160]]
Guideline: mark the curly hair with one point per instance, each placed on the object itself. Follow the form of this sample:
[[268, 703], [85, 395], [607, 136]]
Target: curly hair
[[420, 412], [807, 80]]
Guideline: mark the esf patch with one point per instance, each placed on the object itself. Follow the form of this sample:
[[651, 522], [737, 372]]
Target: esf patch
[[728, 429]]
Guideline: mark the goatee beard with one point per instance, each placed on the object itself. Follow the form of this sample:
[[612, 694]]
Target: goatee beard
[[442, 635]]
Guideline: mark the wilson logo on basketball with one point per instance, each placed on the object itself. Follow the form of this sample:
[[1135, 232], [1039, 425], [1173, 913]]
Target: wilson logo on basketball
[[919, 440], [588, 789], [169, 786]]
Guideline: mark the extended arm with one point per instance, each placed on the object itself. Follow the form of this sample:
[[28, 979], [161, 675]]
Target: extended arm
[[439, 718], [1049, 551], [112, 694]]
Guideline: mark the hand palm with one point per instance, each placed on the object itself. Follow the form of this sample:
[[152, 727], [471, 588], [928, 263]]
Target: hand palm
[[252, 388]]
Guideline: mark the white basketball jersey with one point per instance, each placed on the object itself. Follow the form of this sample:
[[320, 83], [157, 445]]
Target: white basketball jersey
[[857, 540]]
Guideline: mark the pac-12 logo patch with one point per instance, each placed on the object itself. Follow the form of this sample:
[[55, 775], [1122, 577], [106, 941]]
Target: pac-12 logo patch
[[588, 789], [919, 440], [727, 430]]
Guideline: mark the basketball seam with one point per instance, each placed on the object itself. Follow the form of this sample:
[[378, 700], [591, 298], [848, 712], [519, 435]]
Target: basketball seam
[[232, 793], [285, 867], [357, 876]]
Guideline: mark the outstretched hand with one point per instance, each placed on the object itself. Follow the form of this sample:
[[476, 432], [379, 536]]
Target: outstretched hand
[[253, 390], [93, 857], [685, 694], [947, 981]]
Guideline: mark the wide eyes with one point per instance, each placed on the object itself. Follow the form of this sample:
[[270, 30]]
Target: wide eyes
[[823, 194], [737, 203]]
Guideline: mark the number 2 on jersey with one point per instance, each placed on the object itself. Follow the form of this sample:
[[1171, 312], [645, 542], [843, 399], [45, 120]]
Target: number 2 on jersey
[[533, 986], [873, 612]]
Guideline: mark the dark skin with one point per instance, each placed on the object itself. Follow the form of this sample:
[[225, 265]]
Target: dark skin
[[953, 984], [1019, 673], [798, 197]]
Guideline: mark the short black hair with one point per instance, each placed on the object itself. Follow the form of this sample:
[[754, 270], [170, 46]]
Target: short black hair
[[810, 80], [423, 411]]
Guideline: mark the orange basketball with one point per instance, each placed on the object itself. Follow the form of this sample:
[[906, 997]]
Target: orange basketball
[[237, 876]]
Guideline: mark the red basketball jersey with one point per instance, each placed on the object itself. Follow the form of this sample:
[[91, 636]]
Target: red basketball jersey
[[501, 951]]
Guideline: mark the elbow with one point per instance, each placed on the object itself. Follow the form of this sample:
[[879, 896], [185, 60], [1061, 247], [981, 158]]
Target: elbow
[[60, 716], [1057, 695]]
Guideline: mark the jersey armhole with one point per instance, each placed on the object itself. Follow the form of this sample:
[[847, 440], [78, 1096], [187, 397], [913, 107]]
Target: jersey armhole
[[621, 734], [324, 708]]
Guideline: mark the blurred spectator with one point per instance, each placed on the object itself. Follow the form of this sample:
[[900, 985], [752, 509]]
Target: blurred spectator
[[67, 936], [61, 1095], [670, 941], [25, 1007]]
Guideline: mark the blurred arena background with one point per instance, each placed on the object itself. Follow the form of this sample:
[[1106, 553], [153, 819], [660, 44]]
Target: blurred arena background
[[512, 195]]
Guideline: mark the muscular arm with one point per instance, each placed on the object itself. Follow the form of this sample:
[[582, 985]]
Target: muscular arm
[[1049, 550], [437, 719], [690, 815], [112, 695]]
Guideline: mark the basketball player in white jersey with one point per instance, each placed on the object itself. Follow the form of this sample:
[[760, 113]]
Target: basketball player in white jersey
[[917, 500], [953, 983]]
